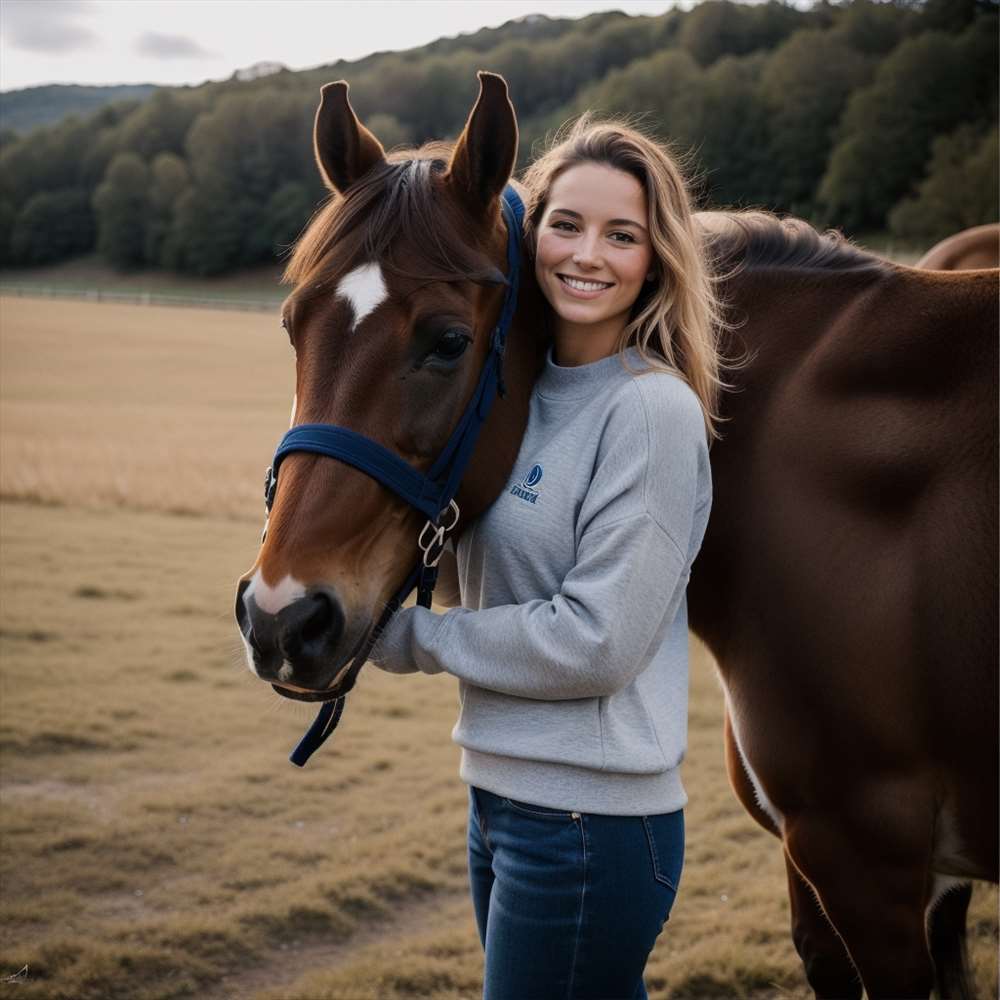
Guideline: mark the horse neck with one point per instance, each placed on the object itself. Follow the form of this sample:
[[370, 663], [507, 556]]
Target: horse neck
[[500, 439]]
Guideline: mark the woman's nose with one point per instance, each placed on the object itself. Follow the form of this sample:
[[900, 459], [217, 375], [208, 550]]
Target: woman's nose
[[587, 253]]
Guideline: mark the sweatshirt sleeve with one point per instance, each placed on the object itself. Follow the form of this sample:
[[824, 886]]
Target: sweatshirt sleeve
[[634, 528]]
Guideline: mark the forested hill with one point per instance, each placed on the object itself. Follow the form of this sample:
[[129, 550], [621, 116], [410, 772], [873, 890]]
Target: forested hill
[[862, 115], [23, 110]]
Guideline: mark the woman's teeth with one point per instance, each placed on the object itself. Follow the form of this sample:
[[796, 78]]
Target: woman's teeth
[[584, 286]]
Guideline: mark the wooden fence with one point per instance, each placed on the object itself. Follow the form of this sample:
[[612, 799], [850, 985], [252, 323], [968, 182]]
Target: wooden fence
[[143, 298]]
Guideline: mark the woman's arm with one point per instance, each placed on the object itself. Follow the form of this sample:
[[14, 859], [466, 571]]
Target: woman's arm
[[593, 636], [589, 640]]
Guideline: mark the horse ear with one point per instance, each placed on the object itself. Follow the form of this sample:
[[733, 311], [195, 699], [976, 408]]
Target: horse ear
[[484, 155], [345, 149]]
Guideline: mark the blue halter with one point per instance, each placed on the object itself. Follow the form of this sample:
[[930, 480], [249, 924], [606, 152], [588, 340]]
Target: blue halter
[[433, 493]]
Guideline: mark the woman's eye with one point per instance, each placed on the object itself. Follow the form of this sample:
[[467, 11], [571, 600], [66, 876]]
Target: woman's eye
[[563, 226], [451, 346], [625, 237]]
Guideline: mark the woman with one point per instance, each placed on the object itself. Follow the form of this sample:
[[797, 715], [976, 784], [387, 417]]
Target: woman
[[571, 647]]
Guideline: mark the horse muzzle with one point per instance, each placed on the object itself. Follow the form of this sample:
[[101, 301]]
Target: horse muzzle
[[300, 649]]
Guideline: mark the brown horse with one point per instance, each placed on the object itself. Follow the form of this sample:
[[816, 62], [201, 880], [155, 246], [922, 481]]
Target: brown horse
[[846, 584], [970, 249]]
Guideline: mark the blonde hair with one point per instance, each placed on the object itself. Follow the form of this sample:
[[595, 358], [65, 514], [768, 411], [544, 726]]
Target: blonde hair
[[676, 323]]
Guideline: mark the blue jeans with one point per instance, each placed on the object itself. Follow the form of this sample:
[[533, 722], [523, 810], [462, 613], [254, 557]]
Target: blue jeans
[[568, 904]]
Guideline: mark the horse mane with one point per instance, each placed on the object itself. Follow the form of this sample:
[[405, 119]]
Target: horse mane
[[397, 200], [753, 239]]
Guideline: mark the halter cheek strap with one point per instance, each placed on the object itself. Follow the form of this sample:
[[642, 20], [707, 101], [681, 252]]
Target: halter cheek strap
[[432, 493]]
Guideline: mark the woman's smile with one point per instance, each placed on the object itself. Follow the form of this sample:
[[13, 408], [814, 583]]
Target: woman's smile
[[583, 288]]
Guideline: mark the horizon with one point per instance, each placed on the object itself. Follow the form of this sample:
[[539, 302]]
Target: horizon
[[200, 47]]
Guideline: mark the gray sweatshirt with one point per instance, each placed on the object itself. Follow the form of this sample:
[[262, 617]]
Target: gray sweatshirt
[[571, 647]]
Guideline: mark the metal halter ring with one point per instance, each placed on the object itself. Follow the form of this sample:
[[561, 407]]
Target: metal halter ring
[[270, 488], [433, 546]]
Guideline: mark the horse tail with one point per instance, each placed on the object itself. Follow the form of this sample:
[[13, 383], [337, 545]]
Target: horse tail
[[946, 937]]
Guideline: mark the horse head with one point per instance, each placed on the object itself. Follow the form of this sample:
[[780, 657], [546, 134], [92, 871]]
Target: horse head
[[398, 282]]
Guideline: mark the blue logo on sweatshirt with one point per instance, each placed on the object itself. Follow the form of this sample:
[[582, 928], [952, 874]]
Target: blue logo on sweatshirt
[[525, 489]]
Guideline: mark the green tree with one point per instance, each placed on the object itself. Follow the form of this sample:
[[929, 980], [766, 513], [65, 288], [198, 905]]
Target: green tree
[[947, 15], [390, 130], [733, 133], [169, 178], [121, 204], [160, 124], [960, 189], [240, 153], [8, 216], [51, 226], [206, 236], [717, 28], [805, 86], [929, 83], [288, 211], [664, 90], [874, 28]]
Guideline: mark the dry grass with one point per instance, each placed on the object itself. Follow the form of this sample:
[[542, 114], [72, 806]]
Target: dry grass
[[154, 409], [156, 843]]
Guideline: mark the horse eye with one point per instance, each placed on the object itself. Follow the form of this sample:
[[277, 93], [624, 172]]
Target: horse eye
[[451, 346]]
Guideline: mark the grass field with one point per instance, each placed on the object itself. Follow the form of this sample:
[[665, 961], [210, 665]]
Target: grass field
[[156, 842]]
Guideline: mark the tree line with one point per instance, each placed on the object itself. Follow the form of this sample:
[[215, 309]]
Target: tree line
[[863, 115]]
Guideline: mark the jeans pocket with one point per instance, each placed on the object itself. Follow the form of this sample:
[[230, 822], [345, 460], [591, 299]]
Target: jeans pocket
[[540, 812], [665, 837]]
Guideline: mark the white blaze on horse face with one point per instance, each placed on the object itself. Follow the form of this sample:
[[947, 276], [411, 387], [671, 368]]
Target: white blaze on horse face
[[273, 599], [365, 289]]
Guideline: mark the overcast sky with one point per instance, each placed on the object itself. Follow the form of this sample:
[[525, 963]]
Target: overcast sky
[[189, 41]]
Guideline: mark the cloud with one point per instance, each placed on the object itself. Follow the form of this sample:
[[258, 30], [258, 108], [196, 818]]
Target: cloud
[[48, 27], [159, 46]]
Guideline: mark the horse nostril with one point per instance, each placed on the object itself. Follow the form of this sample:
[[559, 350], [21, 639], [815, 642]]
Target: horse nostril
[[313, 620], [319, 617], [242, 615]]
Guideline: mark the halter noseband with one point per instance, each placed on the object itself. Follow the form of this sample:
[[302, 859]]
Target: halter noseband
[[432, 493]]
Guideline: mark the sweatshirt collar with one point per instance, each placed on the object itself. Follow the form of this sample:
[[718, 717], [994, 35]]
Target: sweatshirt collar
[[561, 382]]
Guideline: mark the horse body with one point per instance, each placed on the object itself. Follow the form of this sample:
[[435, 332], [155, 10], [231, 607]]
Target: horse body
[[845, 585], [847, 590], [978, 247]]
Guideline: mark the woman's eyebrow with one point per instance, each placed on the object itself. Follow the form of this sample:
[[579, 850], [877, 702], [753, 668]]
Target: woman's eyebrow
[[611, 222]]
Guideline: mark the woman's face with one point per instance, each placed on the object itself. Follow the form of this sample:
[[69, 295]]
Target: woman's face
[[593, 251]]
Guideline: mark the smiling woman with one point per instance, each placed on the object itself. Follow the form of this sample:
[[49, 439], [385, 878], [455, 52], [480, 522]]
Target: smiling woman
[[571, 649], [609, 206], [593, 257]]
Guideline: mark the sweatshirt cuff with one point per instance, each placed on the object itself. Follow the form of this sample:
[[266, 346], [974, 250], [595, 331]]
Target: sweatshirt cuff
[[402, 646]]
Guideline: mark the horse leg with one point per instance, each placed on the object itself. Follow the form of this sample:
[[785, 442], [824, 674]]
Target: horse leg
[[829, 969], [946, 933], [871, 873]]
